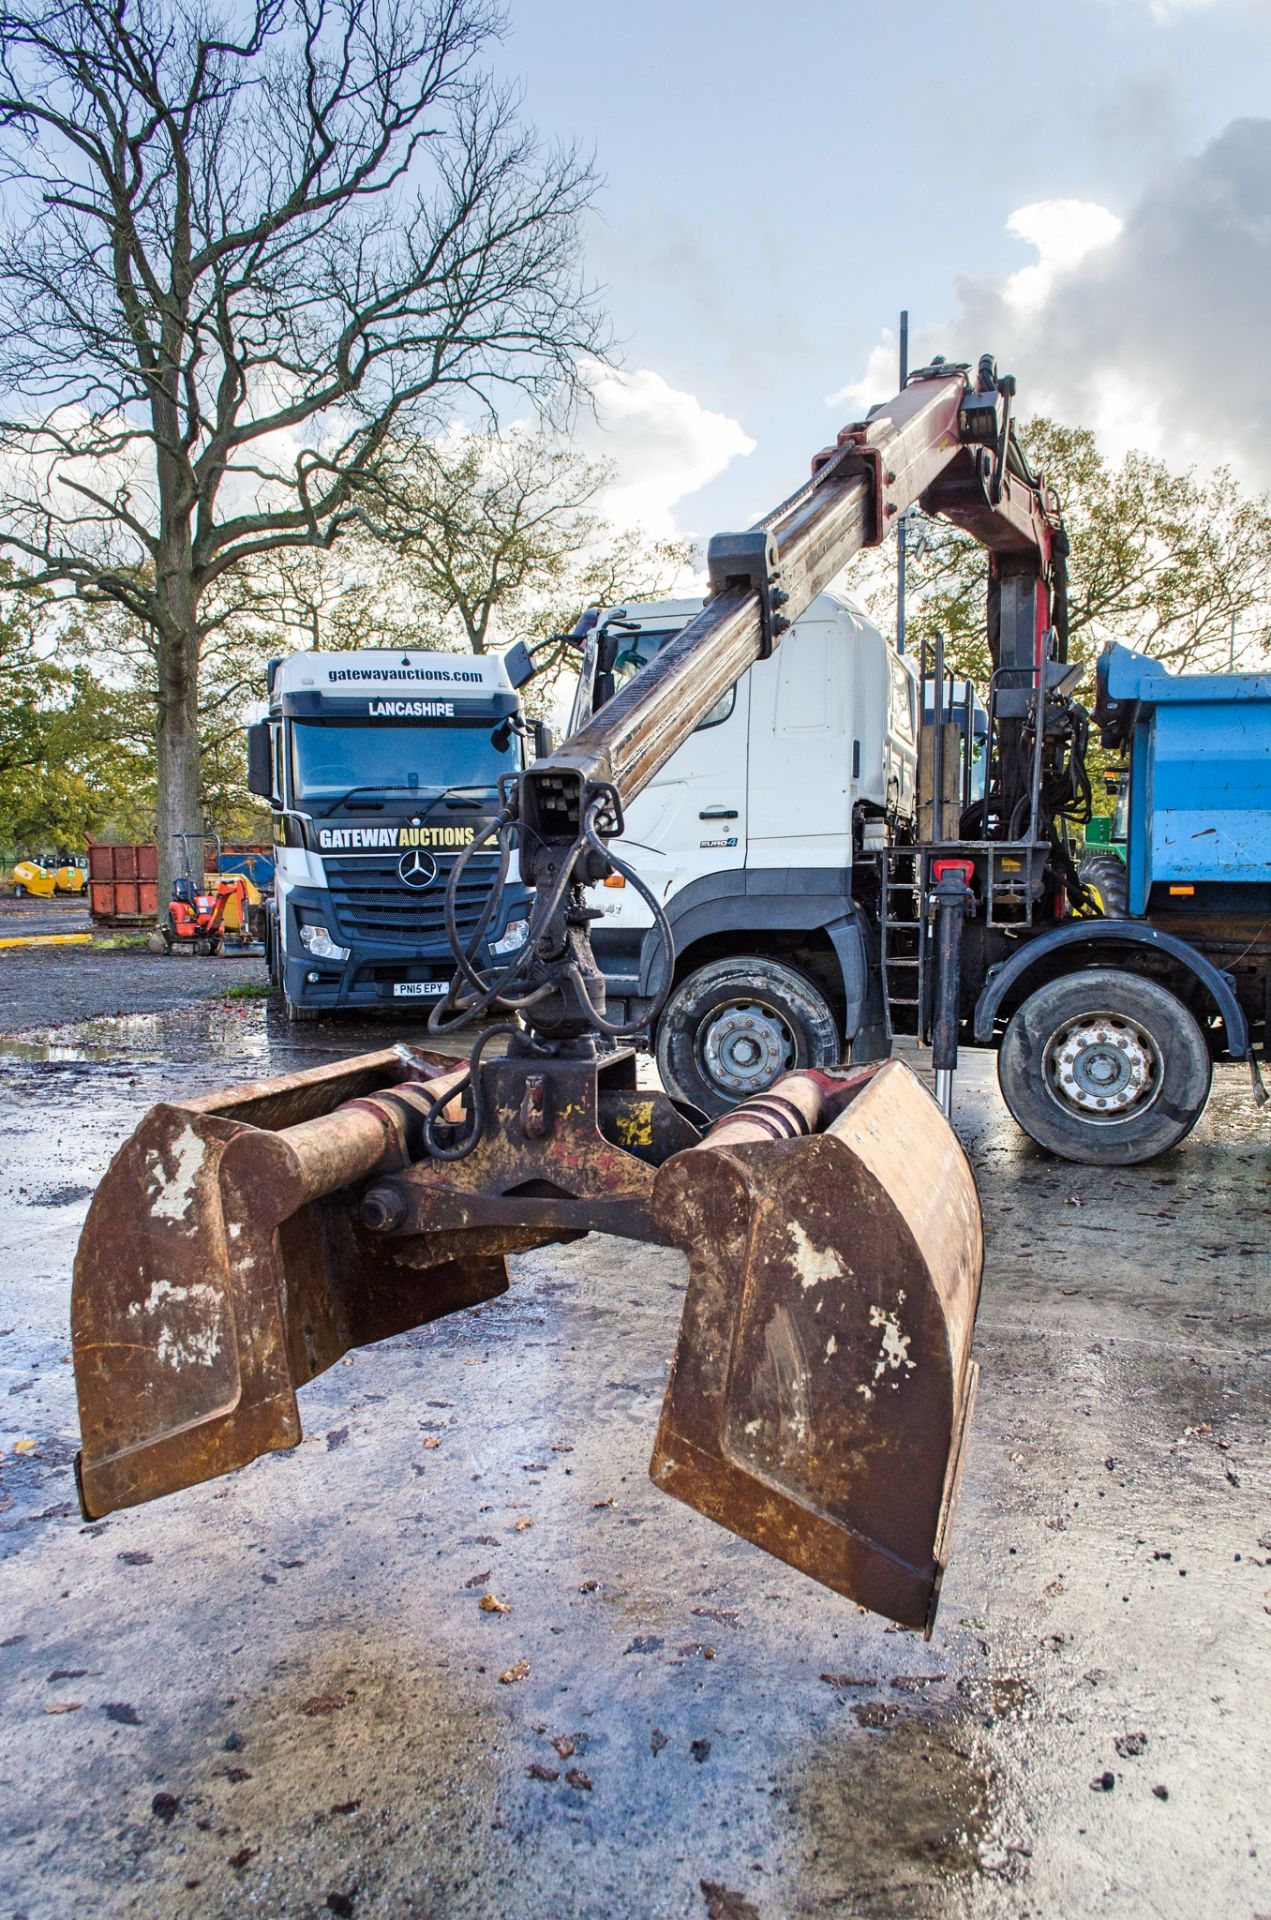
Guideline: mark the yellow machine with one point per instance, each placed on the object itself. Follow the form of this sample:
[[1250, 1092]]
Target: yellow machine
[[33, 877]]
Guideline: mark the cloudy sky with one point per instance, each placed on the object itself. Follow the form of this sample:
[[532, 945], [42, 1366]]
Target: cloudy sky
[[1081, 186]]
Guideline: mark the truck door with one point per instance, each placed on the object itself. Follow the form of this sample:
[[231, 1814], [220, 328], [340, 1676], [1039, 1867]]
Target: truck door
[[691, 820]]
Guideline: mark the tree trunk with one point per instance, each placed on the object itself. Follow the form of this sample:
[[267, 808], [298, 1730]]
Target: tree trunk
[[179, 808]]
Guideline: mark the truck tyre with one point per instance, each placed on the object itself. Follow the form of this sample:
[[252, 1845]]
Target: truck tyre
[[299, 1016], [1105, 1068], [19, 891], [1105, 875], [734, 1026]]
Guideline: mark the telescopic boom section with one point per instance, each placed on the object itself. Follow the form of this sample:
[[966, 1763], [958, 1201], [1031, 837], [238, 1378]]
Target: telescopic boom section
[[761, 586]]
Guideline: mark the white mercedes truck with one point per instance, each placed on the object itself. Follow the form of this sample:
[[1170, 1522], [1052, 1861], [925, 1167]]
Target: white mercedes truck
[[380, 768], [751, 837]]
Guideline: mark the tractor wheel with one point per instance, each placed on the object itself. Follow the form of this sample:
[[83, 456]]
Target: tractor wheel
[[1106, 877], [1105, 1068], [734, 1026], [19, 891]]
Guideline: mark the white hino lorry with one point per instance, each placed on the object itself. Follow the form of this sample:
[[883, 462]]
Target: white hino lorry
[[749, 837], [380, 767]]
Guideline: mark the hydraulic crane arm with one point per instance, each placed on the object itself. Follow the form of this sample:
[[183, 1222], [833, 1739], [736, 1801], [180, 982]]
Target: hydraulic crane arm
[[943, 443], [823, 1379]]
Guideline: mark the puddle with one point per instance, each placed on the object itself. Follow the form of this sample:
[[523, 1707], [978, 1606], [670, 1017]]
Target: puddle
[[62, 1051]]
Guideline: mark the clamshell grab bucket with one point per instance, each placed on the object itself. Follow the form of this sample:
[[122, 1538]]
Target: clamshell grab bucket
[[221, 1266], [822, 1384]]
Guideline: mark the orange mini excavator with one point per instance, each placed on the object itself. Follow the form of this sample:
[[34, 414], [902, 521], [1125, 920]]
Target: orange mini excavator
[[822, 1385], [197, 917]]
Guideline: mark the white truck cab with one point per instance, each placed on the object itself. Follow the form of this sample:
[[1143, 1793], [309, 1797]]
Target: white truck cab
[[381, 767], [749, 837]]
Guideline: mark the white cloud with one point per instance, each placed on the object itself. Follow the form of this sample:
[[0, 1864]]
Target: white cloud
[[662, 441], [1146, 329], [1063, 232]]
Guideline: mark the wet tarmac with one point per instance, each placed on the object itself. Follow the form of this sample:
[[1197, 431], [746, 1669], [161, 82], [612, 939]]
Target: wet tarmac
[[279, 1695]]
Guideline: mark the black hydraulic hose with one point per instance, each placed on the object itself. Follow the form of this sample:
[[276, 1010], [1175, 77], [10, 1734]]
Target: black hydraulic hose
[[472, 1081], [666, 940]]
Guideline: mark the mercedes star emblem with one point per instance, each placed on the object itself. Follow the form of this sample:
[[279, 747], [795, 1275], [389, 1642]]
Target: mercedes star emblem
[[417, 868]]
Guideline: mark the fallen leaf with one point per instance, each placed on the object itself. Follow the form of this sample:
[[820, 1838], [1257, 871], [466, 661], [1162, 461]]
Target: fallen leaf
[[589, 1586], [700, 1750], [122, 1713], [522, 1524], [845, 1680], [577, 1778], [518, 1671], [135, 1558], [24, 1446], [596, 1505], [725, 1903], [658, 1740], [244, 1854], [722, 1614], [431, 1444], [478, 1579], [1130, 1745], [488, 1603], [875, 1713], [564, 1746], [538, 1771], [63, 1706], [320, 1703], [336, 1438]]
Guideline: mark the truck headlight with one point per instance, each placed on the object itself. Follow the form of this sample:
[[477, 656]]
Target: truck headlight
[[516, 933], [315, 937]]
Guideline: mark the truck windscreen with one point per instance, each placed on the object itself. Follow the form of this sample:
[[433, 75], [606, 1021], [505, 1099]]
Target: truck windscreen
[[332, 757]]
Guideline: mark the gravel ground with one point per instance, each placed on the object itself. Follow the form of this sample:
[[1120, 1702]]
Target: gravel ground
[[278, 1695]]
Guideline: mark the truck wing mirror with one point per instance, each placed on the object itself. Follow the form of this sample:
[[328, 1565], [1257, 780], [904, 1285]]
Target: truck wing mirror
[[544, 740], [259, 761], [518, 663]]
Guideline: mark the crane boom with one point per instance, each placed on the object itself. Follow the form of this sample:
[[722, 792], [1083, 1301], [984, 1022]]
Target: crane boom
[[823, 1381], [942, 443]]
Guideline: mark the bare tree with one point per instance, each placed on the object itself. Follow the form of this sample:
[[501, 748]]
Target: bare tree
[[491, 521], [247, 256]]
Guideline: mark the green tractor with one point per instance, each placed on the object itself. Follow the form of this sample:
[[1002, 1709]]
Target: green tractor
[[1103, 860]]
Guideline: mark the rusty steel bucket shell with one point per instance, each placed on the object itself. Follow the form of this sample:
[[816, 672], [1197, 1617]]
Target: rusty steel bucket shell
[[221, 1266], [822, 1385]]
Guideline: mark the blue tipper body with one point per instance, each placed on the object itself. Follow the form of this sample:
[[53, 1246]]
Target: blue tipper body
[[1200, 781]]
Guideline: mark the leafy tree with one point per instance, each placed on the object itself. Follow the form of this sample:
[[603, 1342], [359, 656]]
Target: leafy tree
[[66, 765], [244, 256]]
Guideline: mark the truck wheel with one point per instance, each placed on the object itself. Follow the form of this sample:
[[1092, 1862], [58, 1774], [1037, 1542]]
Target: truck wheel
[[1105, 875], [299, 1016], [734, 1026], [1104, 1068], [19, 891]]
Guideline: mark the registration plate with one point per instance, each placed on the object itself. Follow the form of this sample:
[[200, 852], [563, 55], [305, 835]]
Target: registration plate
[[420, 989]]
